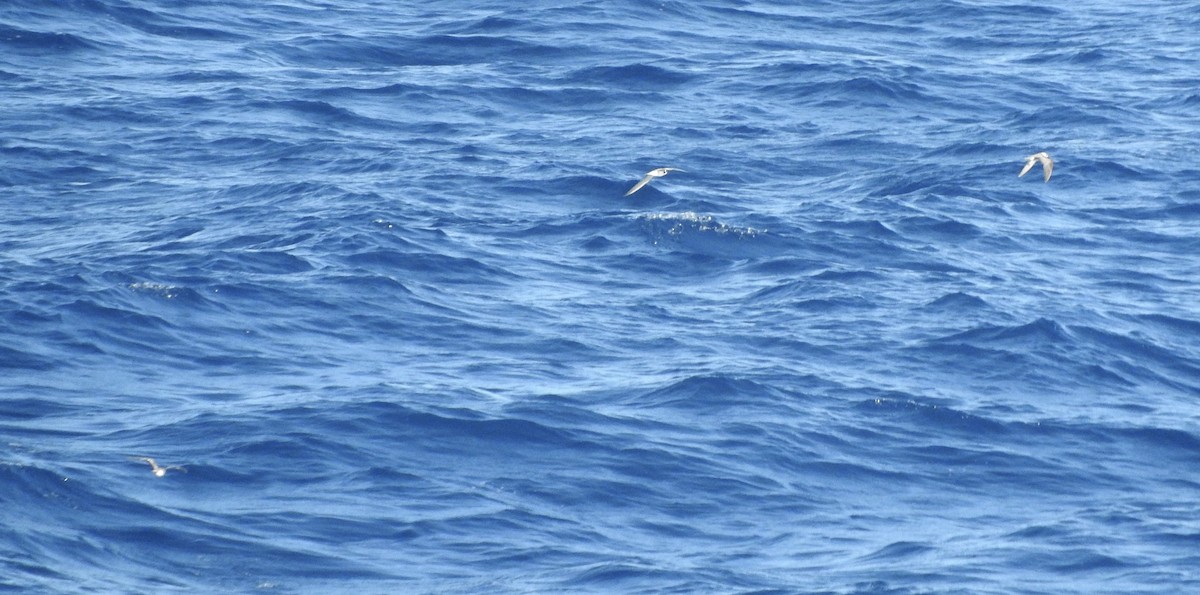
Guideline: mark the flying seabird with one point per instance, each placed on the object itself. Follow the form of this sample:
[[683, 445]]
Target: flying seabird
[[650, 175], [154, 468], [1047, 164]]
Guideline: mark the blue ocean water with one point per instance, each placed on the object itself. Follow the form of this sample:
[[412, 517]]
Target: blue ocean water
[[365, 271]]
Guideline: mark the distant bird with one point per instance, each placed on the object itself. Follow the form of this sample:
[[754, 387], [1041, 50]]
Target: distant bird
[[154, 468], [650, 175], [1047, 164]]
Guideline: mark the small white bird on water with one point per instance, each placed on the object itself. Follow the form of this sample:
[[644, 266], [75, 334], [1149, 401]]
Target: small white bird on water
[[155, 468], [1046, 161], [650, 175]]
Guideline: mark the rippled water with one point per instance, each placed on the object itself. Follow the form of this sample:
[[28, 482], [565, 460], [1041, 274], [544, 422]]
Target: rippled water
[[367, 274]]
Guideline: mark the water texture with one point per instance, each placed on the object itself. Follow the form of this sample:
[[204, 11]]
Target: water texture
[[364, 270]]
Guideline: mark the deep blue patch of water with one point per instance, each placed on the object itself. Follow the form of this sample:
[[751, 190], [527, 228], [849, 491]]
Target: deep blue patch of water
[[367, 273]]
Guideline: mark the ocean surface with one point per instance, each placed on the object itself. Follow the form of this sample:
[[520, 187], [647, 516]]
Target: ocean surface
[[365, 271]]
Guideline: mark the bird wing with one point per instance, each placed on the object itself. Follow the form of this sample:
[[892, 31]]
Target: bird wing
[[1028, 166], [645, 180], [1048, 166]]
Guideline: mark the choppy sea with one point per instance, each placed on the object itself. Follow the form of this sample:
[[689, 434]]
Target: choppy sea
[[361, 276]]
